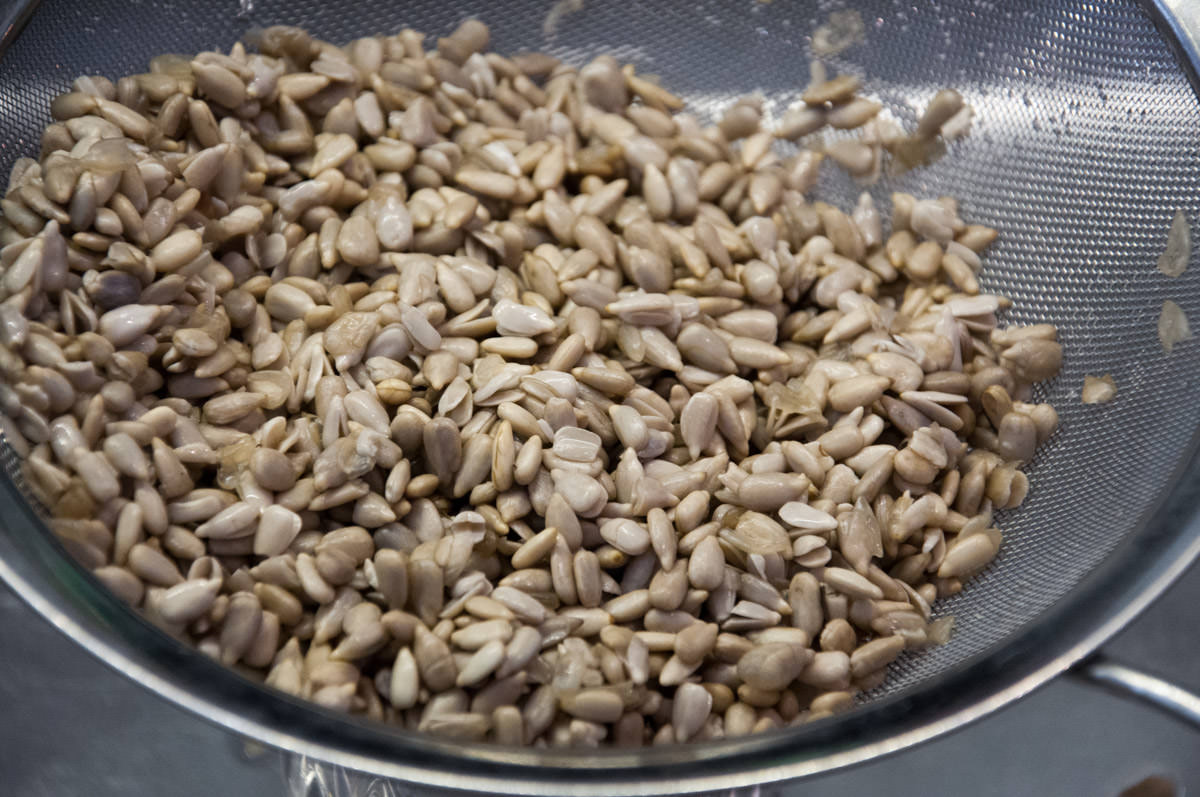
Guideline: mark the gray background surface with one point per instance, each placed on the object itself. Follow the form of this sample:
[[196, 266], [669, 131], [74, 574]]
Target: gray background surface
[[71, 726]]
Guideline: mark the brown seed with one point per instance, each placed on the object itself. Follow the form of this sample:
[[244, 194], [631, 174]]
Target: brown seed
[[124, 584], [1034, 360], [219, 84], [944, 105], [594, 705], [272, 470], [706, 565], [434, 662], [968, 555], [859, 391], [188, 600], [694, 642], [152, 566], [874, 655], [772, 667]]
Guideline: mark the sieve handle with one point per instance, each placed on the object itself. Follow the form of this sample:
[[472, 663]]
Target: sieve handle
[[1123, 679]]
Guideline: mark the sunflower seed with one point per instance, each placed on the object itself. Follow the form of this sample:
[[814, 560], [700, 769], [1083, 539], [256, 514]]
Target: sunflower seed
[[773, 666], [603, 367]]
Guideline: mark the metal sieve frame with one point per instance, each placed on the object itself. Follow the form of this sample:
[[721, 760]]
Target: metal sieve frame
[[1142, 567]]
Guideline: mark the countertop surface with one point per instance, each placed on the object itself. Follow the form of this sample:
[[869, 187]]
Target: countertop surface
[[72, 726]]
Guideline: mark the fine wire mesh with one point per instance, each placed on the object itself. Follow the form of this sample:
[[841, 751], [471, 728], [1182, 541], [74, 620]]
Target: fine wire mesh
[[1085, 145]]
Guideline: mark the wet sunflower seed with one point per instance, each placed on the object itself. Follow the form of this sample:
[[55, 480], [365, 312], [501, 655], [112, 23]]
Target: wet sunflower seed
[[626, 431]]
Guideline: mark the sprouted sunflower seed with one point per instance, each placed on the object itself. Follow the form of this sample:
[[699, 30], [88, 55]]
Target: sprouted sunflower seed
[[494, 398]]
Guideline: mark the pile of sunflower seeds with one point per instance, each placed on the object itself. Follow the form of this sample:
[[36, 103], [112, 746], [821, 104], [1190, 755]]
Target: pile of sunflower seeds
[[490, 397]]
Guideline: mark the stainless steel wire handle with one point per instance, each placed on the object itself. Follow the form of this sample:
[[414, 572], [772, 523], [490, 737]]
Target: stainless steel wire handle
[[1132, 682]]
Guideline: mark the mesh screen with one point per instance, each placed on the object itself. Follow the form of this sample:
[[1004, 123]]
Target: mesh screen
[[1085, 145]]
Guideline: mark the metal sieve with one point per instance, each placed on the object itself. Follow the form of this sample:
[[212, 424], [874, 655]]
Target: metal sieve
[[1084, 148]]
